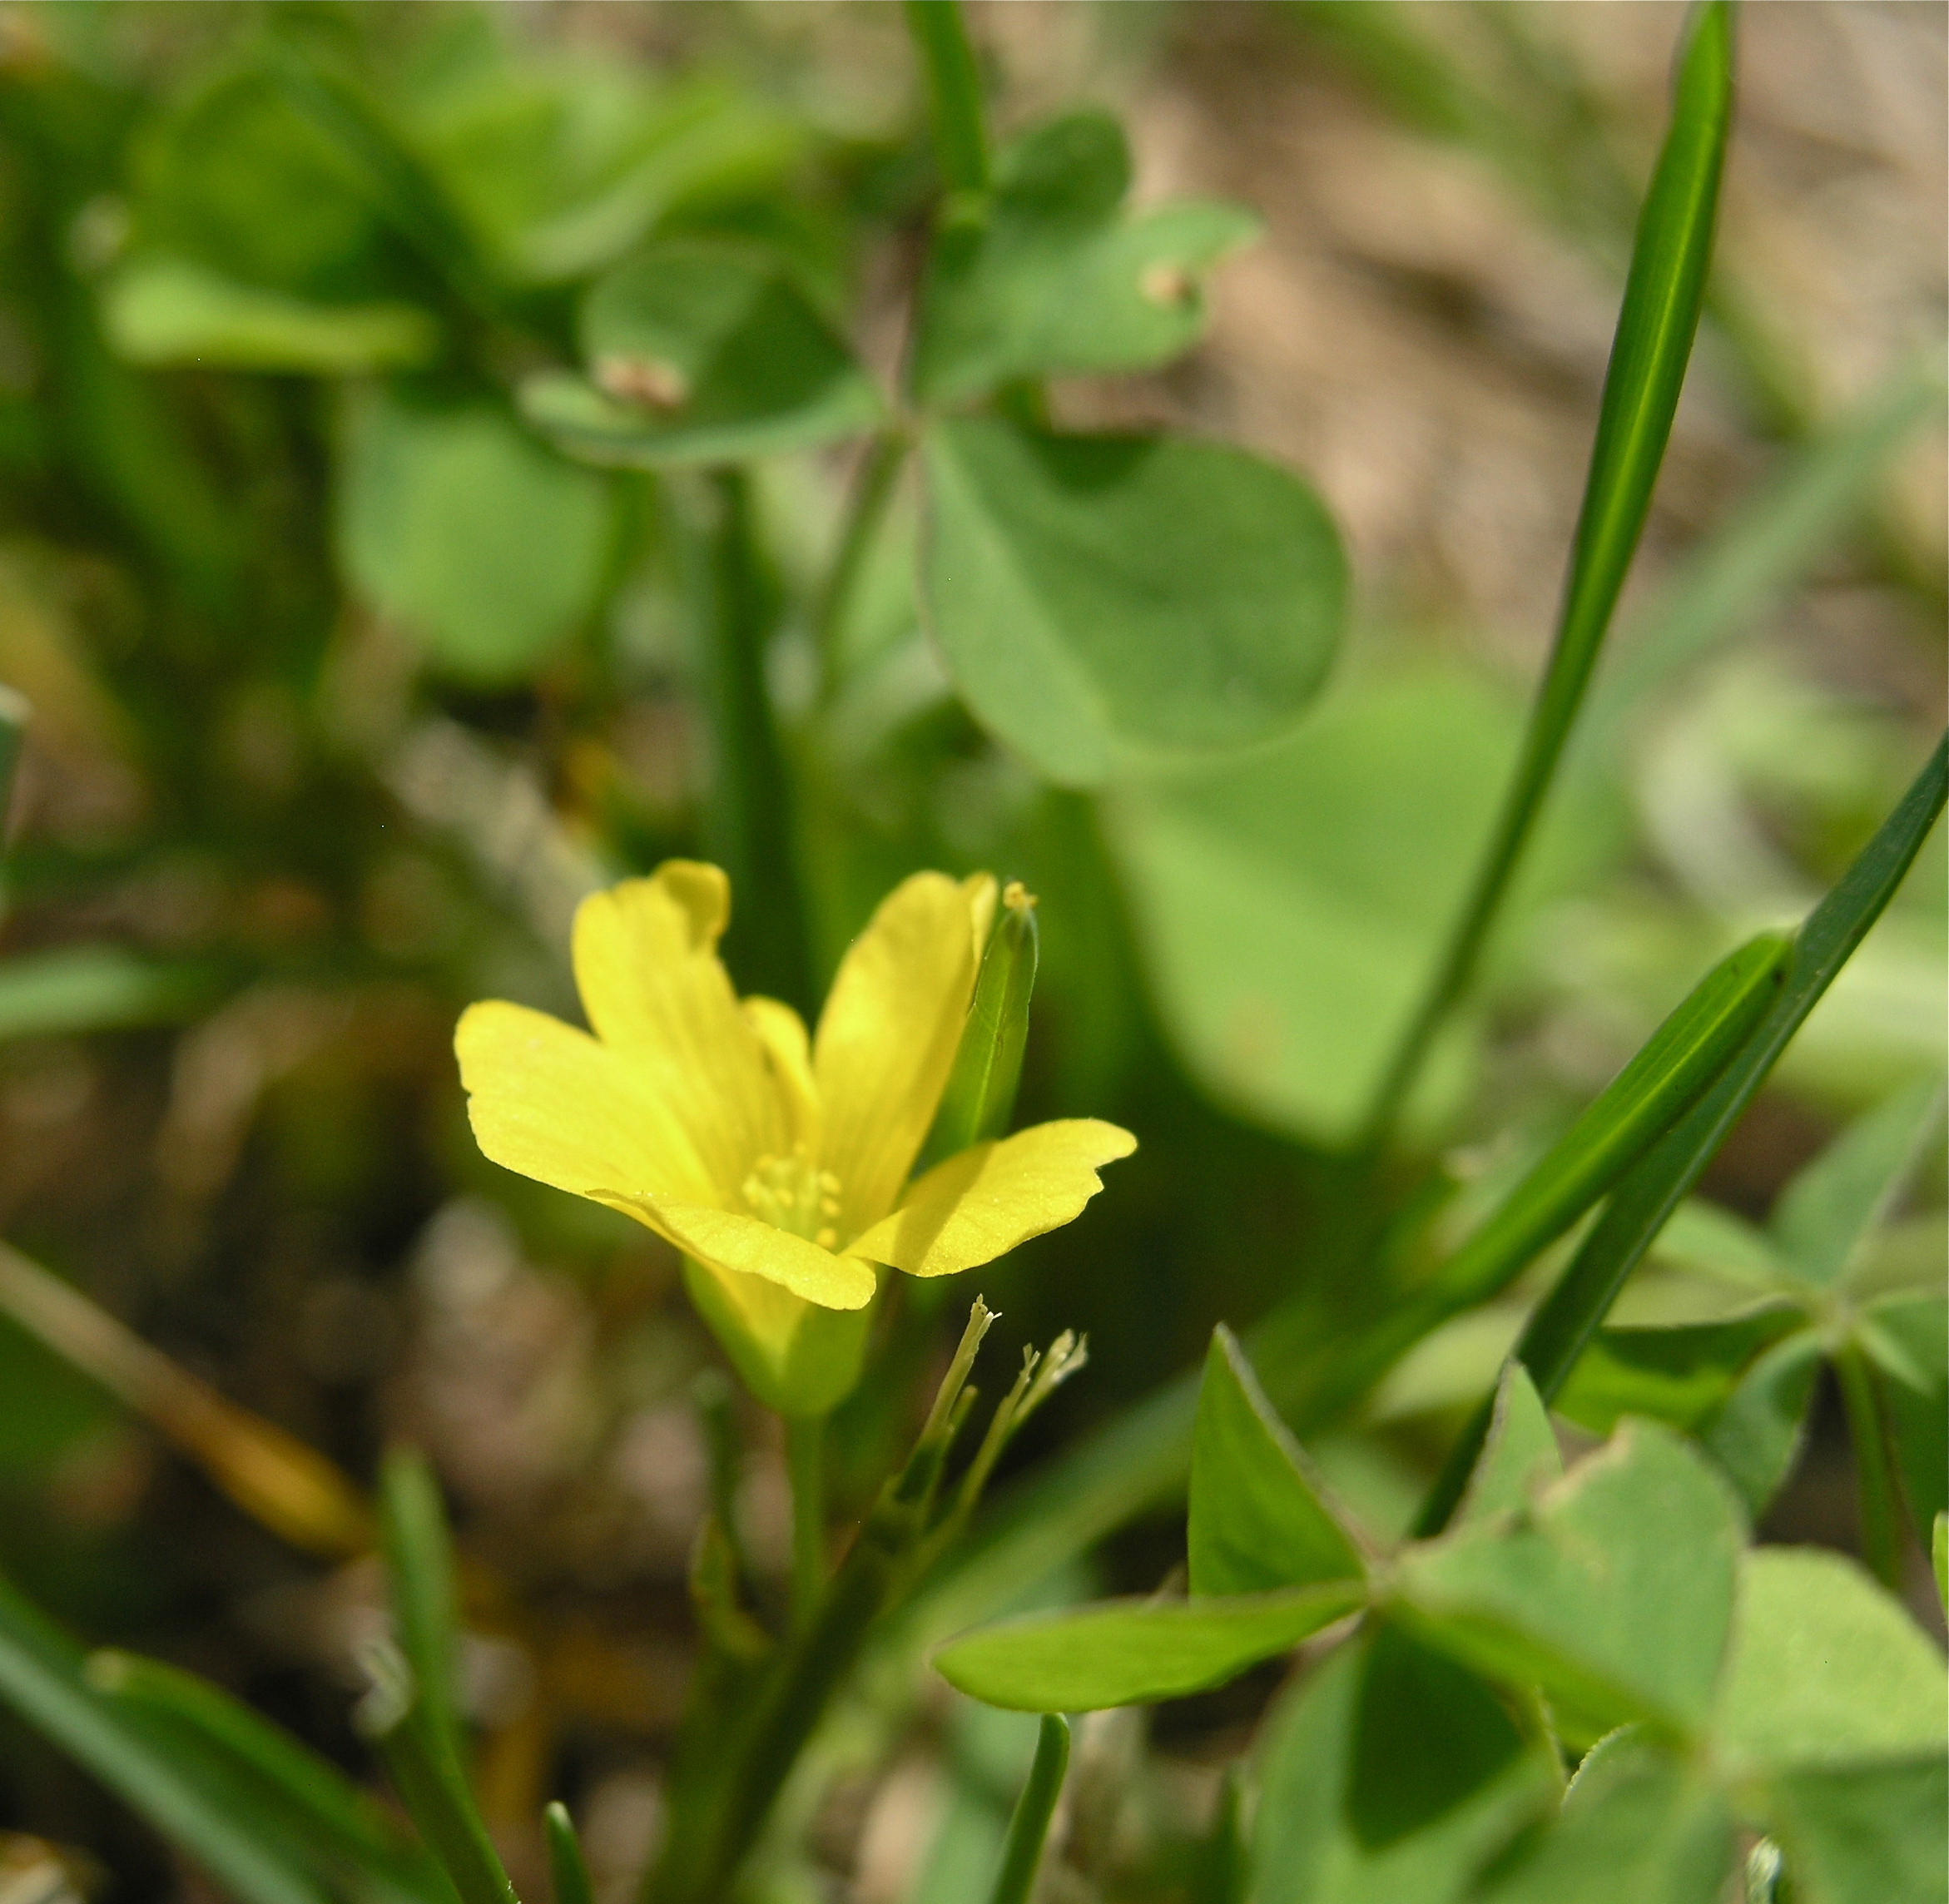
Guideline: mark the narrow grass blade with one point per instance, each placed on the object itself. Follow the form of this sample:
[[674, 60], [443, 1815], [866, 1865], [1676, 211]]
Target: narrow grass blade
[[302, 1796], [429, 1779], [1667, 1076], [566, 1869], [42, 1679], [1656, 324], [419, 1583], [1562, 1326], [1030, 1826], [953, 92]]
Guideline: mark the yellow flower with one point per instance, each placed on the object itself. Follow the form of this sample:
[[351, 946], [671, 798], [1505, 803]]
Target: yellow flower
[[777, 1163]]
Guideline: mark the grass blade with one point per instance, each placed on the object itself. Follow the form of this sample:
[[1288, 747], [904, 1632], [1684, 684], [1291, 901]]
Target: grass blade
[[42, 1679], [13, 722], [566, 1869], [419, 1582], [953, 92], [1029, 1828], [1563, 1325], [1656, 324], [307, 1796], [980, 1095]]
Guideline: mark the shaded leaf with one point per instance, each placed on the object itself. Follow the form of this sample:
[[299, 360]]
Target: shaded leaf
[[1917, 1412], [1334, 1825], [1756, 1437], [1048, 277], [1826, 1669], [1258, 1522], [1823, 1214], [1106, 602], [1127, 1653], [701, 352], [1635, 1824], [1615, 1592], [458, 524], [94, 988], [1866, 1836], [1683, 1375]]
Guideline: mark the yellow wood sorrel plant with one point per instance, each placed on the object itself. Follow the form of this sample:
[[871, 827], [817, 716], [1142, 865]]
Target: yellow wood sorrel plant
[[777, 1163], [1569, 1673]]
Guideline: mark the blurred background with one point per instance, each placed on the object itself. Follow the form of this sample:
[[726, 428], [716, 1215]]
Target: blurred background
[[346, 687]]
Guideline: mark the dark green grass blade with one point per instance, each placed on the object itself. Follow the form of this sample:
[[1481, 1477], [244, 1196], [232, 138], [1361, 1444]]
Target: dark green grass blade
[[1656, 324], [566, 1869], [419, 1583], [1559, 1331], [41, 1678]]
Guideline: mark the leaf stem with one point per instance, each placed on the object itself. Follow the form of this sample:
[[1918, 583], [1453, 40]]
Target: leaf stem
[[1877, 1501], [1656, 324], [1029, 1828], [805, 1462], [953, 92]]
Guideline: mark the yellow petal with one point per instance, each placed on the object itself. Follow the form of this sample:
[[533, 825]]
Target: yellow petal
[[887, 1037], [645, 962], [781, 1032], [747, 1246], [550, 1102], [979, 1204]]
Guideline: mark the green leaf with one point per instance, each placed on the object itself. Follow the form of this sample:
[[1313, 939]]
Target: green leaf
[[1258, 1520], [1290, 907], [1823, 1214], [1663, 293], [1826, 1670], [1918, 1413], [41, 1677], [1389, 1774], [1029, 1826], [1615, 1591], [1683, 1375], [1635, 1824], [94, 988], [1128, 1653], [1756, 1436], [420, 1588], [160, 310], [1865, 1837], [953, 89], [459, 525], [1048, 277], [1107, 602], [701, 352], [1520, 1454]]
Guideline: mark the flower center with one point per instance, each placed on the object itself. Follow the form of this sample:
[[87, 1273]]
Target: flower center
[[792, 1193]]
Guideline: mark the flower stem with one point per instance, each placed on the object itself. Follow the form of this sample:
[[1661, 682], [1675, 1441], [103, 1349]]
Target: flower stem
[[805, 1462]]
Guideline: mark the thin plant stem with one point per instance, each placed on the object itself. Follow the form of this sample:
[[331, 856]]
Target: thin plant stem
[[805, 1462], [873, 490], [953, 92], [1877, 1500], [1022, 1852]]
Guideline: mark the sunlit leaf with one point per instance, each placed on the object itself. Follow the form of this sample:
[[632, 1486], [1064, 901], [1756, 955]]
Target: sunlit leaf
[[1257, 1521], [1127, 1653], [1110, 602]]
